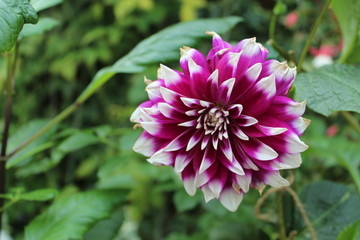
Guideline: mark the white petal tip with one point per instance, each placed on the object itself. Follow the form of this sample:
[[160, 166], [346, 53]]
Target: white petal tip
[[231, 199]]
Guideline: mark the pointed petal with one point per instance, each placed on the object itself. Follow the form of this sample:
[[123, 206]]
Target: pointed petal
[[231, 199], [244, 181], [169, 111], [274, 179], [162, 158], [284, 75], [300, 124], [147, 144], [259, 150], [225, 90], [208, 159], [240, 134], [188, 177], [208, 194], [235, 110], [195, 139], [182, 160], [287, 161]]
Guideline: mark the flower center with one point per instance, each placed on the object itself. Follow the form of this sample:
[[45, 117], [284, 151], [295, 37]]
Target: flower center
[[213, 120]]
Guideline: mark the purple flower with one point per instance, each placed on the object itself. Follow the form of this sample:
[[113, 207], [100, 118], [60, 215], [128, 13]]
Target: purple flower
[[224, 122]]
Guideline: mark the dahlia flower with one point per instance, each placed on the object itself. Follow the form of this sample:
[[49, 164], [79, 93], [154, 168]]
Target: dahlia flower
[[224, 122]]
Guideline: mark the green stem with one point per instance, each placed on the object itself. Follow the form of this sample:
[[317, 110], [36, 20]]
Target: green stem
[[279, 49], [351, 120], [9, 84], [272, 26], [282, 229], [312, 34], [88, 92]]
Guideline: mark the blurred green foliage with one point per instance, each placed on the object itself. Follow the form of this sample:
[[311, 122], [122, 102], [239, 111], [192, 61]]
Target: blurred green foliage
[[88, 158]]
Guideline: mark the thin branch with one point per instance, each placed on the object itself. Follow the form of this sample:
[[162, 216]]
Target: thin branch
[[312, 34], [351, 120], [281, 221], [9, 84], [302, 212]]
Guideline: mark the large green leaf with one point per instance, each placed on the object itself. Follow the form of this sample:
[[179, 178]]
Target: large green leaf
[[348, 15], [13, 15], [330, 88], [331, 207], [72, 217], [160, 47]]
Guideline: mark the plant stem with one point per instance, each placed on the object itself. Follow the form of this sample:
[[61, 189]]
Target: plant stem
[[312, 34], [303, 212], [272, 26], [9, 84], [282, 229], [279, 49], [351, 120], [88, 92]]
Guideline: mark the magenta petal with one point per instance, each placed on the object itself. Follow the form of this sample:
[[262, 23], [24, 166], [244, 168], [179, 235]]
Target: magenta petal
[[148, 144], [259, 150], [284, 75], [286, 108]]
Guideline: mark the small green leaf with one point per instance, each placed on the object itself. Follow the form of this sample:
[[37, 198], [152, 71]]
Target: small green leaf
[[40, 5], [350, 233], [330, 88], [348, 15], [70, 218], [39, 195], [13, 15], [160, 47], [77, 141], [44, 24]]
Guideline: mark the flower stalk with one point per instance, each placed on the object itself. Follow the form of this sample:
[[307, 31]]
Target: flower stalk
[[312, 34], [9, 85]]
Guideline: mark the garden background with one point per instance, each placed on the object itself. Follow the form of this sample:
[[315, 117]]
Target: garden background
[[81, 179]]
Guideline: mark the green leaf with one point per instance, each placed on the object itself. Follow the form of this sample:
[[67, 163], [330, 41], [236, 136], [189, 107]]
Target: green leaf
[[106, 229], [71, 217], [160, 47], [44, 24], [23, 133], [350, 233], [40, 5], [346, 153], [77, 141], [330, 88], [331, 207], [13, 15], [348, 15], [39, 195]]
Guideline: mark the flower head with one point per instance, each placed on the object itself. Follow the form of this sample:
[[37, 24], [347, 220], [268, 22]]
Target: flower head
[[224, 122]]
